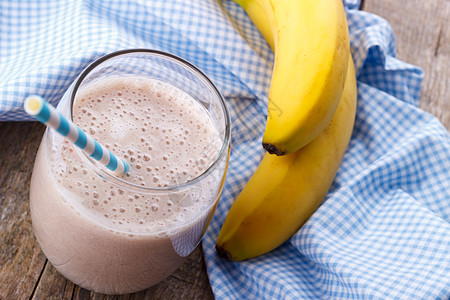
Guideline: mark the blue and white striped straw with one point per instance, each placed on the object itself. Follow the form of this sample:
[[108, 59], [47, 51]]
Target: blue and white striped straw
[[47, 114]]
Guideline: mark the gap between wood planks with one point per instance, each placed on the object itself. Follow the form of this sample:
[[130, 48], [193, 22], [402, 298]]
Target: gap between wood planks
[[38, 280]]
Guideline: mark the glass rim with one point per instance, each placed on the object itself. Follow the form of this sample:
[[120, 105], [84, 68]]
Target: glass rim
[[106, 174]]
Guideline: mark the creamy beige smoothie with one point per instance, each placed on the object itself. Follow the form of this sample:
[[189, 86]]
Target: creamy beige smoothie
[[123, 235]]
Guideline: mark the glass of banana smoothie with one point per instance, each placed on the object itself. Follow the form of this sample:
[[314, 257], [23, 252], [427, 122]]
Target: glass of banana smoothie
[[122, 234]]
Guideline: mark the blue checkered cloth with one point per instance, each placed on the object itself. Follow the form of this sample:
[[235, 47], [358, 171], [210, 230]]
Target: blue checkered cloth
[[383, 231]]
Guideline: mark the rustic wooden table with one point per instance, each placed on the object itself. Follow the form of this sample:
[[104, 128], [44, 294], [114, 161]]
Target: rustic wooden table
[[423, 39]]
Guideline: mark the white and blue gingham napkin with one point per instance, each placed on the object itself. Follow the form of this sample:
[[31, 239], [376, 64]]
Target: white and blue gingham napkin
[[383, 231]]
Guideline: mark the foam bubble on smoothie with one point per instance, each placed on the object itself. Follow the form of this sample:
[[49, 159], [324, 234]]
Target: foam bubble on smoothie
[[166, 136]]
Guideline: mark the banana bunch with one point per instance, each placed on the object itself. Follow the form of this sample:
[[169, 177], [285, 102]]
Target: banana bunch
[[314, 83]]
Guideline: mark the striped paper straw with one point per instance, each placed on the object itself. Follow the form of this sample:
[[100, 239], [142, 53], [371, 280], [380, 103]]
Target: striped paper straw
[[47, 114]]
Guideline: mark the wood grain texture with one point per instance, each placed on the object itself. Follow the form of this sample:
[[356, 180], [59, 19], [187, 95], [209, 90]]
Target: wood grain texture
[[422, 35], [21, 261], [423, 39]]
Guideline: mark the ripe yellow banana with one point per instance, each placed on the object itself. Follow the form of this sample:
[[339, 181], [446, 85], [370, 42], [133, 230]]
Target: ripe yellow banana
[[286, 190], [311, 45]]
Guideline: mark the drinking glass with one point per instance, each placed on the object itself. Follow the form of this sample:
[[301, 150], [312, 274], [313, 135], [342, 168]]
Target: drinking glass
[[91, 252]]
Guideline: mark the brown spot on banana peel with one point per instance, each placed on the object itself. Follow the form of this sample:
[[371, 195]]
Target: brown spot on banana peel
[[272, 149], [223, 253]]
